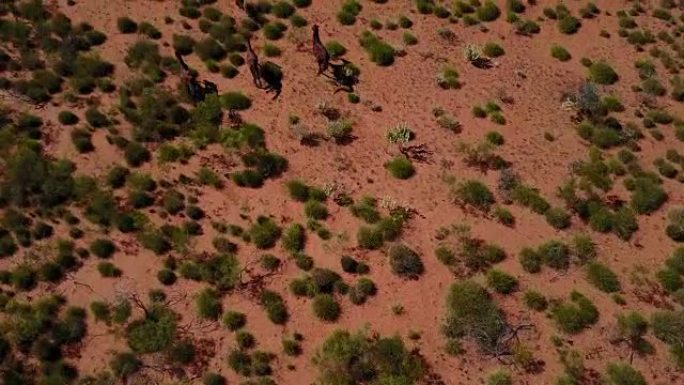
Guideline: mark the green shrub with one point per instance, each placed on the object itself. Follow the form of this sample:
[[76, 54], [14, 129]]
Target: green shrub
[[380, 52], [294, 238], [264, 233], [568, 24], [126, 25], [602, 277], [136, 154], [555, 254], [108, 270], [301, 3], [400, 167], [383, 358], [493, 50], [315, 210], [474, 193], [326, 308], [670, 279], [67, 118], [560, 53], [488, 11], [282, 9], [298, 190], [335, 49], [96, 118], [273, 30], [602, 73], [405, 262], [647, 196], [530, 260], [235, 101], [244, 340], [573, 317], [501, 282], [472, 313], [211, 378], [499, 377], [369, 238], [623, 374], [102, 248], [124, 365], [208, 304], [275, 307], [234, 320], [166, 277], [535, 300], [558, 218]]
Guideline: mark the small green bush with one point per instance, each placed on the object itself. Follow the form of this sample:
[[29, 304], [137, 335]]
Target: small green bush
[[535, 300], [335, 49], [568, 24], [560, 53], [126, 25], [294, 238], [264, 233], [488, 11], [400, 167], [67, 118], [234, 320], [602, 73], [474, 193], [326, 308], [602, 277], [493, 50], [558, 218], [501, 282], [235, 101], [102, 248], [208, 304]]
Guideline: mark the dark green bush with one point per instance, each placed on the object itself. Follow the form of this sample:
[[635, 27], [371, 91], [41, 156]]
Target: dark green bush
[[126, 25], [124, 365], [67, 118], [623, 374], [102, 248], [166, 277], [136, 154]]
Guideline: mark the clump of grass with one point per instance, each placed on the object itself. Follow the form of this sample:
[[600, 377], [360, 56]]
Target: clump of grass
[[448, 78], [560, 53], [379, 52]]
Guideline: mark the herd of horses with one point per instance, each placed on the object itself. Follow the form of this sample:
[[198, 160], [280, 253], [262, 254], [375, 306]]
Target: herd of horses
[[264, 76]]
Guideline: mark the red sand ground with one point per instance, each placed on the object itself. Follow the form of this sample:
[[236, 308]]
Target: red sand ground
[[407, 93]]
